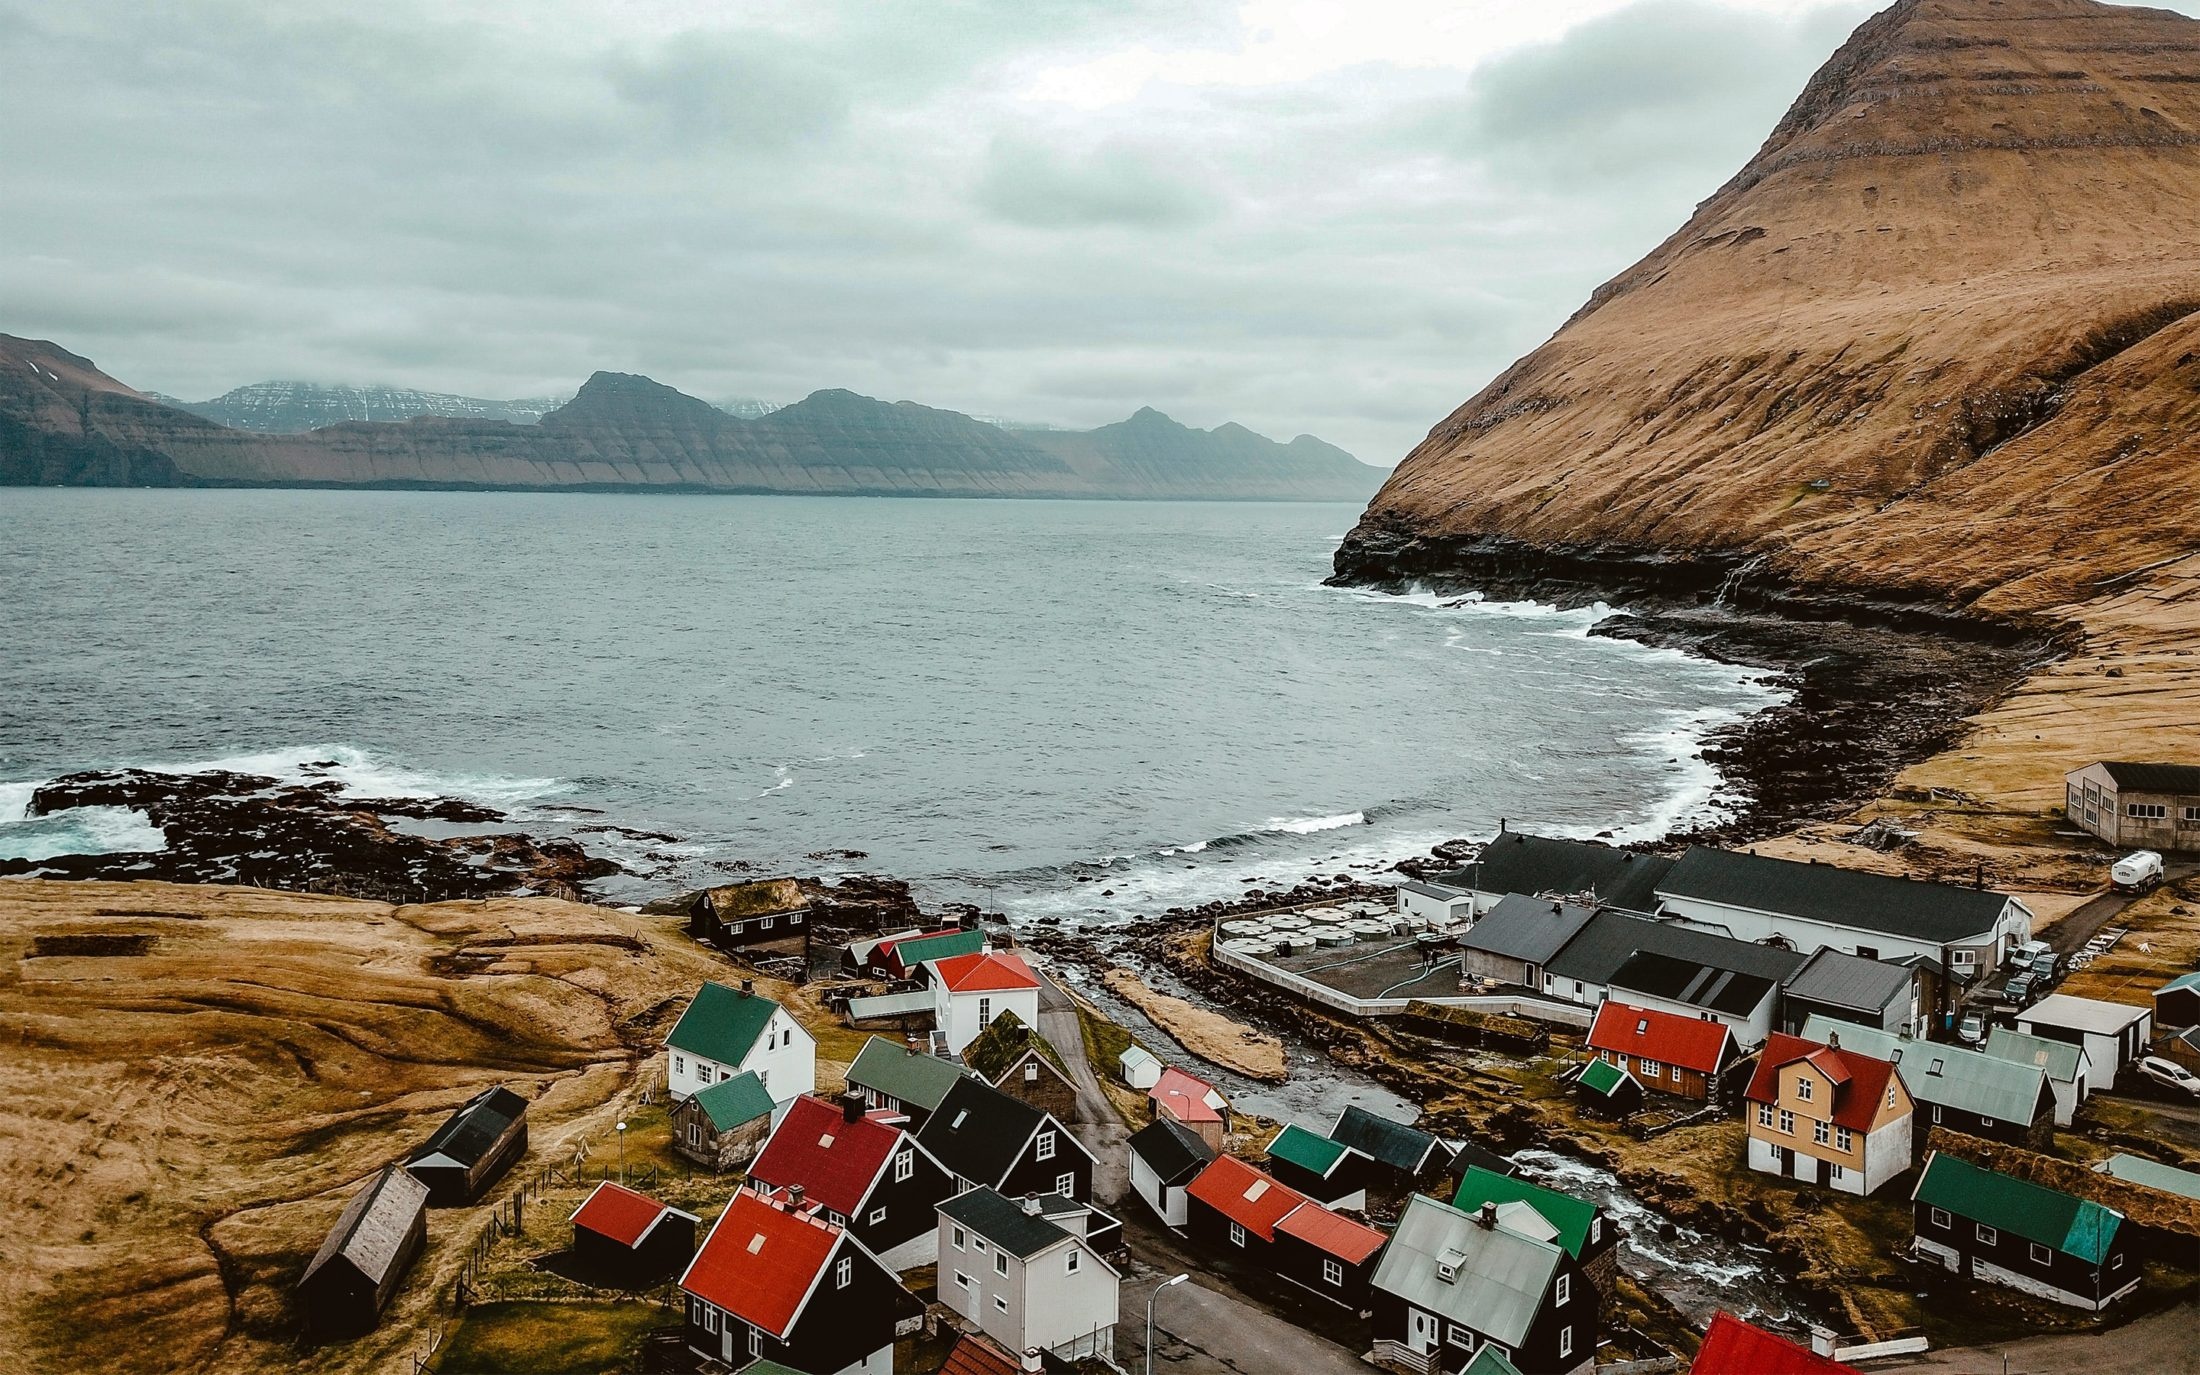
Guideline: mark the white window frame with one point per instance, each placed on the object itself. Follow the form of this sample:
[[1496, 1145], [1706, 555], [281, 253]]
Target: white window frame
[[1455, 1335], [1820, 1134], [1563, 1291], [1000, 1303], [1073, 1262], [1986, 1236], [1764, 1114], [905, 1166], [1939, 1217], [844, 1272], [1844, 1139], [710, 1319], [1964, 959], [877, 1216], [756, 1341], [1652, 1069], [1803, 1088], [1332, 1270], [958, 1237], [1066, 1184], [1565, 1342], [1237, 1234], [1787, 1122], [1043, 1148], [1000, 1263], [2041, 1255]]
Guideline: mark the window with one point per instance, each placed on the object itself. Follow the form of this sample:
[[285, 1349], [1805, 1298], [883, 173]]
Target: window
[[756, 1341], [905, 1165], [765, 924], [1565, 1341], [1941, 1219], [964, 1280], [978, 1245], [1065, 1185], [1844, 1139], [1890, 1095], [1332, 1271], [2146, 811], [960, 1236], [1986, 1235], [710, 1318], [1000, 1262], [844, 1270], [1867, 952], [1651, 1069], [2041, 1255], [1074, 1262], [1802, 1088], [1966, 959], [1787, 1122], [1237, 1234], [679, 1064], [1000, 1303], [695, 1133], [877, 1216], [1764, 1114], [985, 1012], [1936, 1113], [1596, 1229], [1458, 1336], [1564, 1291], [1819, 1135], [1031, 1072], [1046, 1147], [2191, 815], [1836, 1172]]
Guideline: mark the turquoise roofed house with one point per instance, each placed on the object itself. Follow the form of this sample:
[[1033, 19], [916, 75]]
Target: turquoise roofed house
[[726, 1032], [1327, 1171], [1999, 1229], [1576, 1224], [724, 1125]]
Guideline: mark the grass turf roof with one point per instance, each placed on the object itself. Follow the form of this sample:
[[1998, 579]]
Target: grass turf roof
[[1004, 1042], [2074, 1226], [1305, 1149], [1569, 1216]]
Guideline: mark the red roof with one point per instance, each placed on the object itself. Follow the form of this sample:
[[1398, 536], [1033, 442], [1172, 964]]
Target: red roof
[[985, 972], [1185, 1096], [833, 1159], [619, 1213], [760, 1261], [1855, 1102], [1333, 1233], [1244, 1195], [1733, 1347], [977, 1355], [1667, 1037]]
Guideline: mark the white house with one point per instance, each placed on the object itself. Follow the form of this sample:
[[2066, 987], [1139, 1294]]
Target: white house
[[969, 991], [2113, 1034], [726, 1032], [1026, 1272], [1166, 1156], [1434, 904], [1139, 1068]]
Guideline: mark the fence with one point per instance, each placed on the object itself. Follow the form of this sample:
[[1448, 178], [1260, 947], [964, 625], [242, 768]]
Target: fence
[[1299, 984]]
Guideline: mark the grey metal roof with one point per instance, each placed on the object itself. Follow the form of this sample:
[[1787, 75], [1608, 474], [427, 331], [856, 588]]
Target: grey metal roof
[[1005, 1223], [1691, 982], [1934, 912], [1171, 1150], [1396, 1144], [2063, 1061], [370, 1232], [1944, 1075], [1444, 891], [474, 1132], [1525, 928], [1502, 1276], [1517, 863], [2082, 1014], [2137, 1169], [1611, 939], [1839, 979], [2154, 778]]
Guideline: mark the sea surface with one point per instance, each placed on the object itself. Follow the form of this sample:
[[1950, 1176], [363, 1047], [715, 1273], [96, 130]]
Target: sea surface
[[1086, 709]]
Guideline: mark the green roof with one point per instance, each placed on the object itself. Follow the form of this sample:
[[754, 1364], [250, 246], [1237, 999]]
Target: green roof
[[1602, 1076], [1003, 1043], [722, 1023], [1569, 1216], [730, 1102], [1490, 1361], [764, 1367], [916, 952], [2074, 1226], [2181, 982], [1306, 1150], [909, 1077], [2137, 1169]]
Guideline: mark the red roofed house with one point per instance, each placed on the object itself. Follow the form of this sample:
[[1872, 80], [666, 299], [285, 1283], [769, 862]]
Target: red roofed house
[[1238, 1210], [1733, 1347], [629, 1238], [776, 1281], [1666, 1052], [865, 1170], [1827, 1116], [969, 991], [1192, 1101]]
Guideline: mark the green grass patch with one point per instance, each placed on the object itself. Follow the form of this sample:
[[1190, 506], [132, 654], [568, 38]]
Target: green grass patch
[[521, 1338]]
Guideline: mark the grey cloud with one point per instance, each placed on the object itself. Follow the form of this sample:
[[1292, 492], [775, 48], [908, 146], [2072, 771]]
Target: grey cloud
[[1031, 183]]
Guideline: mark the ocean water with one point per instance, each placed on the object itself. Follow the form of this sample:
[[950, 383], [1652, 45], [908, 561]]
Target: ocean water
[[1085, 709]]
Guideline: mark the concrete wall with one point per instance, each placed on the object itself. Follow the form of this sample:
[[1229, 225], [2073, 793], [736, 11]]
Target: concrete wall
[[1392, 1007]]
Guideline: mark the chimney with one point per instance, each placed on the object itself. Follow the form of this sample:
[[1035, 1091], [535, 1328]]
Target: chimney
[[748, 986], [1487, 1218], [1031, 1204], [851, 1107], [1978, 880], [794, 1196], [1033, 1361], [1821, 1342]]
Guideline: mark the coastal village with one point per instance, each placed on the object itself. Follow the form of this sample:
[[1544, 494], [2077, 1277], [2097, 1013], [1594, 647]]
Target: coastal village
[[925, 1149]]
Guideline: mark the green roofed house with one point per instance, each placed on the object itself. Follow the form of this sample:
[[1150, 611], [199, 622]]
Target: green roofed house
[[1607, 1090], [2012, 1232], [1490, 1361], [903, 958], [726, 1032], [1017, 1060], [2153, 1174], [722, 1127], [1329, 1172], [1573, 1223], [892, 1077]]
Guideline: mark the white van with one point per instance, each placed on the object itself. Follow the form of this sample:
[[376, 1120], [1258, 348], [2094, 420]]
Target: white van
[[2137, 871]]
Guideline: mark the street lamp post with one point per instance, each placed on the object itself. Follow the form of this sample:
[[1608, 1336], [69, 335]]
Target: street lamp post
[[622, 1152], [1171, 1280]]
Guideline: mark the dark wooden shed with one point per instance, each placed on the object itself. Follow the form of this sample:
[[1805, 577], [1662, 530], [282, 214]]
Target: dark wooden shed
[[629, 1239], [470, 1150], [351, 1278]]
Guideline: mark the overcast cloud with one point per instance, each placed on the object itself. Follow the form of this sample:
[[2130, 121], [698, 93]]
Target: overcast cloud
[[1308, 217]]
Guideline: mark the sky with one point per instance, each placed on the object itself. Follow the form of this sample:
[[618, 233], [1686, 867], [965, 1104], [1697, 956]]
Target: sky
[[1328, 218]]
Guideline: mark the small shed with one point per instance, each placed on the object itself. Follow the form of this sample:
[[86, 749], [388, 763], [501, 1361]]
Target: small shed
[[1166, 1156], [2177, 1003], [351, 1278], [2184, 1048], [472, 1148], [630, 1239], [2113, 1034], [763, 912], [1607, 1090], [723, 1127], [1138, 1067], [1192, 1101]]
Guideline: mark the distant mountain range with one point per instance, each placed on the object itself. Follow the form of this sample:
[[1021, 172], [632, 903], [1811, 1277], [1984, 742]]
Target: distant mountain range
[[63, 421]]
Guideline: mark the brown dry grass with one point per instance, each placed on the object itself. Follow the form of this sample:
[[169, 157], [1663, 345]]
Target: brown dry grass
[[1203, 1031], [182, 1126]]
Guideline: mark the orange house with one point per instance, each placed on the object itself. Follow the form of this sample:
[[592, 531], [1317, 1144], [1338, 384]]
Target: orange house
[[1827, 1116]]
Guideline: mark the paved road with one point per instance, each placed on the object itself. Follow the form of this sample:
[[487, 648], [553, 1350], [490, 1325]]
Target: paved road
[[2178, 1122], [2085, 922], [2166, 1343], [1095, 1124]]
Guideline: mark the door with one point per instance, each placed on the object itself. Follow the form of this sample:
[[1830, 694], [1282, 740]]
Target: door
[[1421, 1331], [1783, 1158]]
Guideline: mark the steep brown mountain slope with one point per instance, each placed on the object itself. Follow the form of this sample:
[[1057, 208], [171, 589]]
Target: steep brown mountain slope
[[1942, 333], [1941, 337]]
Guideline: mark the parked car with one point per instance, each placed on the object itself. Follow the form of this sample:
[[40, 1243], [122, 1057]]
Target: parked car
[[1972, 1029], [2169, 1074], [2019, 990], [2137, 871]]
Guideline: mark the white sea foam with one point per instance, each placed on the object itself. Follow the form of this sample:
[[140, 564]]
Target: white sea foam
[[81, 831], [1308, 825]]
